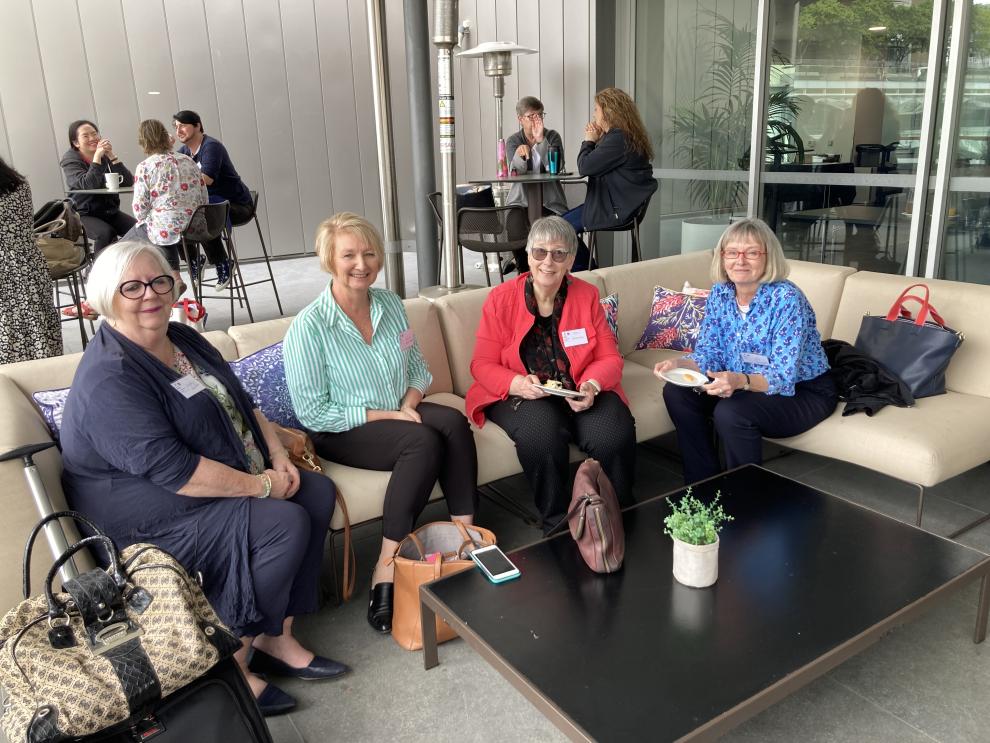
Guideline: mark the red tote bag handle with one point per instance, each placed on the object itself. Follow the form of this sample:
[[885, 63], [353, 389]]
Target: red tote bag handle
[[926, 308]]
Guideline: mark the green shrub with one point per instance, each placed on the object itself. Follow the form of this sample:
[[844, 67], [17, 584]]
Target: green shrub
[[695, 522]]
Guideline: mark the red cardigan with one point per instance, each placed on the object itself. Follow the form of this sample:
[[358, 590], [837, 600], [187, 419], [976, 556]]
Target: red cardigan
[[505, 321]]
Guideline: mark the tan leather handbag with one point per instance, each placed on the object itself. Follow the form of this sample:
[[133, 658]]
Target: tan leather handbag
[[432, 551]]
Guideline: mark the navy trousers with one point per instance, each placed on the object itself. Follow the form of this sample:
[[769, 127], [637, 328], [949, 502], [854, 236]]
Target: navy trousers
[[741, 422], [286, 540]]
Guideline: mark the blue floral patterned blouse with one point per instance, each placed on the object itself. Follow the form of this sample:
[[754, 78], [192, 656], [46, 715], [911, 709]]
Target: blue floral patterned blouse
[[778, 338]]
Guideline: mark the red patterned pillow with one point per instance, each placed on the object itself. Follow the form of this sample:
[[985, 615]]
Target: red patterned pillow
[[675, 319]]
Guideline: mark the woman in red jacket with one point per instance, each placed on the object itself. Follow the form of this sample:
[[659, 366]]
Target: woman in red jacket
[[548, 326]]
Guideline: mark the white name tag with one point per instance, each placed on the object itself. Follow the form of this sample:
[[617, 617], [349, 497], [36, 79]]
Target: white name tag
[[188, 386], [575, 337], [755, 358]]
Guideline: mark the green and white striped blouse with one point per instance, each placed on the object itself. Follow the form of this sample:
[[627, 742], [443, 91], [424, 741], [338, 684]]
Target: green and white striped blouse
[[334, 377]]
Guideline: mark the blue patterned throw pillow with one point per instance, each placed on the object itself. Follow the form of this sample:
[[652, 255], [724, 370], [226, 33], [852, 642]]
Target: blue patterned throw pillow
[[51, 403], [611, 306], [263, 376], [675, 319]]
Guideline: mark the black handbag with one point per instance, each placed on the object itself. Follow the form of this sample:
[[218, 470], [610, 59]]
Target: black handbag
[[918, 350]]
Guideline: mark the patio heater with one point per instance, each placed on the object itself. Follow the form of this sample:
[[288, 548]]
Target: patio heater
[[445, 38], [496, 59]]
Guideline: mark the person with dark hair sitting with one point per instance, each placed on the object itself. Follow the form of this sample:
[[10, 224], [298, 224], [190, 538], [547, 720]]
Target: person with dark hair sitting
[[162, 445], [29, 326], [89, 158]]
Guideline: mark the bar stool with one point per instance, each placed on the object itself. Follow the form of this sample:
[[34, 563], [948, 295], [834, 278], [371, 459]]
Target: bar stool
[[631, 225], [75, 288], [264, 252]]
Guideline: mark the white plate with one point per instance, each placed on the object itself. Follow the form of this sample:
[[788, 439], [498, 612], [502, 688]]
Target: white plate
[[559, 393], [684, 377]]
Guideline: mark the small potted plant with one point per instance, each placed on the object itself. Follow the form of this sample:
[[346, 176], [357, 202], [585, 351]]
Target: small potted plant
[[694, 527]]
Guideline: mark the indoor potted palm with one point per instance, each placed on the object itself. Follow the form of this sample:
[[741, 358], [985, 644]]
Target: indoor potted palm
[[694, 527]]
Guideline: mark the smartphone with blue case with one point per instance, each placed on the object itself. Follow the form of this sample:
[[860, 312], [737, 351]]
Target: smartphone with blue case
[[494, 564]]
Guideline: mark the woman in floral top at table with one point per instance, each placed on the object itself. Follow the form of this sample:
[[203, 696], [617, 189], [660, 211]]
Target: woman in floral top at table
[[168, 187], [759, 345]]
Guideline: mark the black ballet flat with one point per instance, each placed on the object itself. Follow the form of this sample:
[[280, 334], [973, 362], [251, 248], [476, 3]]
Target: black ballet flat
[[318, 669], [273, 701], [380, 607]]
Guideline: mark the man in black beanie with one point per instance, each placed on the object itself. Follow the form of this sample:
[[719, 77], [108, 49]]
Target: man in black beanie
[[222, 182]]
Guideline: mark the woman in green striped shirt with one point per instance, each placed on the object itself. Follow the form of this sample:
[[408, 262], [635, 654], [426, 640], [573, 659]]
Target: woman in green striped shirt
[[357, 381]]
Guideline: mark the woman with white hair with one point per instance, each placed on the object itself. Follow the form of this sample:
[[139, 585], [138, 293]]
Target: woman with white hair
[[760, 348], [544, 327], [161, 444]]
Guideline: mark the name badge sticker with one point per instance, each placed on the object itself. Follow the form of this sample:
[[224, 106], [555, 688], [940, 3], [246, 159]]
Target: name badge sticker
[[578, 337], [188, 386], [406, 339], [755, 358]]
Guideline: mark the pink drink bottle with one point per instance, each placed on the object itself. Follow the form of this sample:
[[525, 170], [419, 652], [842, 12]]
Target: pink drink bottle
[[503, 165]]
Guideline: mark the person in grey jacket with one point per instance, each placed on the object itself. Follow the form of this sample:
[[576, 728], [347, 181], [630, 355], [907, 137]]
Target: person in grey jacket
[[89, 158], [529, 148]]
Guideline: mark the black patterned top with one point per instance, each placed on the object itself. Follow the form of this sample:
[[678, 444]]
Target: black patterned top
[[540, 350]]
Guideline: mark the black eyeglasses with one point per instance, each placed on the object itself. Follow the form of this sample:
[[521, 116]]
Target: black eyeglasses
[[559, 256], [135, 289]]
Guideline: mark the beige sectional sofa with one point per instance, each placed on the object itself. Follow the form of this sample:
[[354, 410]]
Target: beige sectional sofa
[[939, 438]]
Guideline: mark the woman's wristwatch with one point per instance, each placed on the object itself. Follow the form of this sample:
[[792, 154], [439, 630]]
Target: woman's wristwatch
[[267, 481], [745, 387]]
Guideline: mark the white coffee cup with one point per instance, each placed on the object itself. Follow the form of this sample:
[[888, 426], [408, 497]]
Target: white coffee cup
[[113, 181]]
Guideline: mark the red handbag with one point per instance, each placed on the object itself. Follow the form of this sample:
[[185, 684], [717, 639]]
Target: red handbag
[[595, 519]]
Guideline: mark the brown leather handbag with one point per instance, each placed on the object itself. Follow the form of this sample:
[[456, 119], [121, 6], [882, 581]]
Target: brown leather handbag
[[302, 453], [595, 519], [432, 551]]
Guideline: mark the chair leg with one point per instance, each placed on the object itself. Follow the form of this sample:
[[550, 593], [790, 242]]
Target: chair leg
[[237, 286], [592, 249], [484, 267], [264, 251], [636, 256], [501, 274]]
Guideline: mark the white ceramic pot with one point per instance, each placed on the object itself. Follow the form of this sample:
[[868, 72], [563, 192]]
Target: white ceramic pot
[[695, 565], [702, 233]]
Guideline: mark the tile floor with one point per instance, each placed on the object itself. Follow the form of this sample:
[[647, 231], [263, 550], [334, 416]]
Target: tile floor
[[925, 681]]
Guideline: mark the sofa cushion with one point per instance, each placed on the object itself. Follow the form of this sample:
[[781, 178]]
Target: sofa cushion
[[51, 404], [962, 305], [425, 324], [363, 492], [223, 343], [263, 376], [634, 284], [675, 319], [257, 335], [822, 284], [460, 315], [926, 444], [645, 393]]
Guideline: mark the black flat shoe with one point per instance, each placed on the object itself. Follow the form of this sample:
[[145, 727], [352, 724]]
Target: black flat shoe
[[273, 701], [319, 668], [380, 607]]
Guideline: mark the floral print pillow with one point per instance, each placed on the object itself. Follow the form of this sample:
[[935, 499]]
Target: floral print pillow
[[611, 306], [675, 319], [263, 376], [51, 404]]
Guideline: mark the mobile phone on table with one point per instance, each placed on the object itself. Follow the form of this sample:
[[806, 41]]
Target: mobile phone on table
[[494, 564]]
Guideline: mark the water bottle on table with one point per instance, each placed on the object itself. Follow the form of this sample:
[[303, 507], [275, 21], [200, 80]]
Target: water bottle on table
[[553, 160]]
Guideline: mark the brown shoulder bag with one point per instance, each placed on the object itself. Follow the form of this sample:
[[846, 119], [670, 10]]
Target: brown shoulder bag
[[595, 519]]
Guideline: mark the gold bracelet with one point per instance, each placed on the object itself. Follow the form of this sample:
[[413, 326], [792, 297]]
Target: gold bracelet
[[267, 481]]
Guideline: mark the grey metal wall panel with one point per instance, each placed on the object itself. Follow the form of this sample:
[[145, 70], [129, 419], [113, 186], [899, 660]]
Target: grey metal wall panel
[[236, 102], [506, 29], [33, 150], [63, 59], [340, 114], [4, 140], [309, 132], [527, 68], [276, 143], [151, 59], [577, 77], [192, 63], [112, 76], [401, 145], [552, 71], [468, 107], [485, 143]]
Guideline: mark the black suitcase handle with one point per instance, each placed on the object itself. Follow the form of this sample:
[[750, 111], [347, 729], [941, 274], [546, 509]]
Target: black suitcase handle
[[25, 451]]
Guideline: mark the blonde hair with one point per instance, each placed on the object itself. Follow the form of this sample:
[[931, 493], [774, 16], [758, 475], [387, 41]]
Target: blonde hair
[[109, 269], [758, 231], [621, 113], [153, 137], [346, 223]]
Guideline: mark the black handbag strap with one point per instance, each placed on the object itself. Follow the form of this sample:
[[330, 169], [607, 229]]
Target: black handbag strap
[[76, 516], [55, 609]]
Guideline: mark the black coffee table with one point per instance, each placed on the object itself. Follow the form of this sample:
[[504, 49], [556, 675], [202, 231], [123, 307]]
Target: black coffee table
[[806, 580]]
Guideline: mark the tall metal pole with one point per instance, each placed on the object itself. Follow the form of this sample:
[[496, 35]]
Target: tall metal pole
[[394, 270], [421, 131], [444, 38]]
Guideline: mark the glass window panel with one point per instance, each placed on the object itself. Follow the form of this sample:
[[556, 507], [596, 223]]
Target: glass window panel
[[846, 87], [694, 87]]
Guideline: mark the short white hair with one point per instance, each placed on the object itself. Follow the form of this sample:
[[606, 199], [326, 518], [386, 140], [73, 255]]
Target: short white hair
[[109, 269]]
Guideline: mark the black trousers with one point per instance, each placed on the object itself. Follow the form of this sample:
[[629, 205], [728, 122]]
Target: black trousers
[[542, 430], [418, 454], [105, 230], [215, 252], [741, 422], [285, 541]]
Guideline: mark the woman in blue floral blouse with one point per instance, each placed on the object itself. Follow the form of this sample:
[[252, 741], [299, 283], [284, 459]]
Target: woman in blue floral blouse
[[760, 348]]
